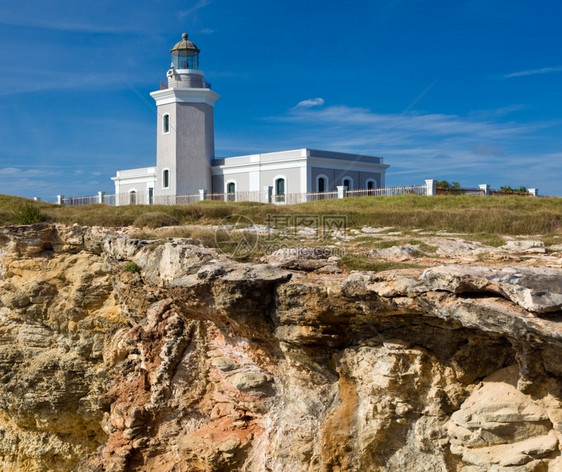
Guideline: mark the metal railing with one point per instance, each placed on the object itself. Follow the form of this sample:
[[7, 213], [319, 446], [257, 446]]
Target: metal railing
[[459, 191], [249, 196], [176, 199], [88, 200], [146, 198], [387, 191]]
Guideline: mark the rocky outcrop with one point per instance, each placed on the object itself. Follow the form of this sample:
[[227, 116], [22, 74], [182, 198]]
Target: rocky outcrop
[[127, 355]]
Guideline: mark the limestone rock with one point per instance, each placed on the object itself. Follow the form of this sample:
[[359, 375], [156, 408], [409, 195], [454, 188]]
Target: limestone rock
[[529, 247], [198, 363], [536, 290]]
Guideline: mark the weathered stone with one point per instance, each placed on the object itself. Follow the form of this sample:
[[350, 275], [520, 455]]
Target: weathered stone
[[198, 363], [249, 380]]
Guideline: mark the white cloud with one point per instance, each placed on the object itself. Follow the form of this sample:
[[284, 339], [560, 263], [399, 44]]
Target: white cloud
[[310, 102], [480, 147], [543, 70], [195, 8], [62, 80], [9, 171]]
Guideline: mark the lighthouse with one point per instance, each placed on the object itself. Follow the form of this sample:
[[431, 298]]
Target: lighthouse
[[185, 142], [186, 165]]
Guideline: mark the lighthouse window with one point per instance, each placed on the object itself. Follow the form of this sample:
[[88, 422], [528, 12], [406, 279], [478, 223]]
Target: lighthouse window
[[165, 178], [166, 123]]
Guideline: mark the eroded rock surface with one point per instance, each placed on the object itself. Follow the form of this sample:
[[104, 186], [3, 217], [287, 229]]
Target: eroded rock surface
[[187, 361]]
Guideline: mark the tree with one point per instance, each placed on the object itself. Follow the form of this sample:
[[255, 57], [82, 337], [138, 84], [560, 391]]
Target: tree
[[446, 184], [510, 189]]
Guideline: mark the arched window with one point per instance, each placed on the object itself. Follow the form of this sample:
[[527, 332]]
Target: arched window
[[166, 123], [280, 190], [166, 178], [321, 184], [231, 191], [132, 197], [371, 184], [347, 183]]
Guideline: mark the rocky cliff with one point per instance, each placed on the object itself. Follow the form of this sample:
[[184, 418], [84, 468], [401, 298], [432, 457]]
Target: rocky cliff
[[125, 355]]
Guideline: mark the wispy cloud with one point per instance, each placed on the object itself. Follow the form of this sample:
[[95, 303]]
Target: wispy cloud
[[195, 8], [63, 80], [57, 24], [352, 119], [310, 102], [480, 147], [543, 70]]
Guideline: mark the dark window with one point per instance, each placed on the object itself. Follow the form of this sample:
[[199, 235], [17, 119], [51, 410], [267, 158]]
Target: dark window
[[280, 190], [132, 197], [231, 191], [165, 178], [166, 123], [321, 185], [347, 184]]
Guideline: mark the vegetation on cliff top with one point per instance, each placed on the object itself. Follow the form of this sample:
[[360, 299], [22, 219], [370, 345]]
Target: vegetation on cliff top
[[510, 215]]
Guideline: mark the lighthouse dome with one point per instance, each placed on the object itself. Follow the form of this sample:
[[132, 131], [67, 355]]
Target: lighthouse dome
[[185, 54]]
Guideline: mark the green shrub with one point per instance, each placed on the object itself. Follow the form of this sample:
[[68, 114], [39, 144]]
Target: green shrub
[[155, 219], [132, 267], [27, 214]]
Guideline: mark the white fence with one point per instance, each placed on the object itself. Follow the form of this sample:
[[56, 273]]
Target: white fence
[[267, 196], [101, 198], [144, 198], [388, 191]]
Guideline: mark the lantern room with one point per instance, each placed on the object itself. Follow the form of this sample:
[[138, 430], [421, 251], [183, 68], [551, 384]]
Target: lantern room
[[185, 55]]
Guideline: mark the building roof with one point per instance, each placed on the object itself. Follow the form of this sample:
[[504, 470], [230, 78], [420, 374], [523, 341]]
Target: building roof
[[305, 153]]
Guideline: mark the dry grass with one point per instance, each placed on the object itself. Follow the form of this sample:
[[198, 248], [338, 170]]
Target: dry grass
[[509, 215]]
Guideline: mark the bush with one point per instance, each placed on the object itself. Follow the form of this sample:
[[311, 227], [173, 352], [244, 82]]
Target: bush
[[155, 219], [27, 214], [132, 267]]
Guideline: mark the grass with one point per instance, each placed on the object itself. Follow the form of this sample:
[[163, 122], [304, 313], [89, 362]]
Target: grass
[[359, 262], [132, 267], [469, 214]]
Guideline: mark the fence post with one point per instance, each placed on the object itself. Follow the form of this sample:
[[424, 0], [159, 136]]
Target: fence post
[[341, 191], [534, 192], [60, 199], [202, 194], [267, 194], [100, 197], [430, 187], [485, 189]]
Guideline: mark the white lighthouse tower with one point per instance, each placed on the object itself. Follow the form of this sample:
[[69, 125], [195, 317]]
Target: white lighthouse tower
[[185, 143]]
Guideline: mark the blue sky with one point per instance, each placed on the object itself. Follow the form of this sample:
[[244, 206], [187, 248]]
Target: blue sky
[[467, 91]]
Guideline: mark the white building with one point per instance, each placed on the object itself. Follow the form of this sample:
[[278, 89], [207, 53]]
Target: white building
[[187, 169]]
